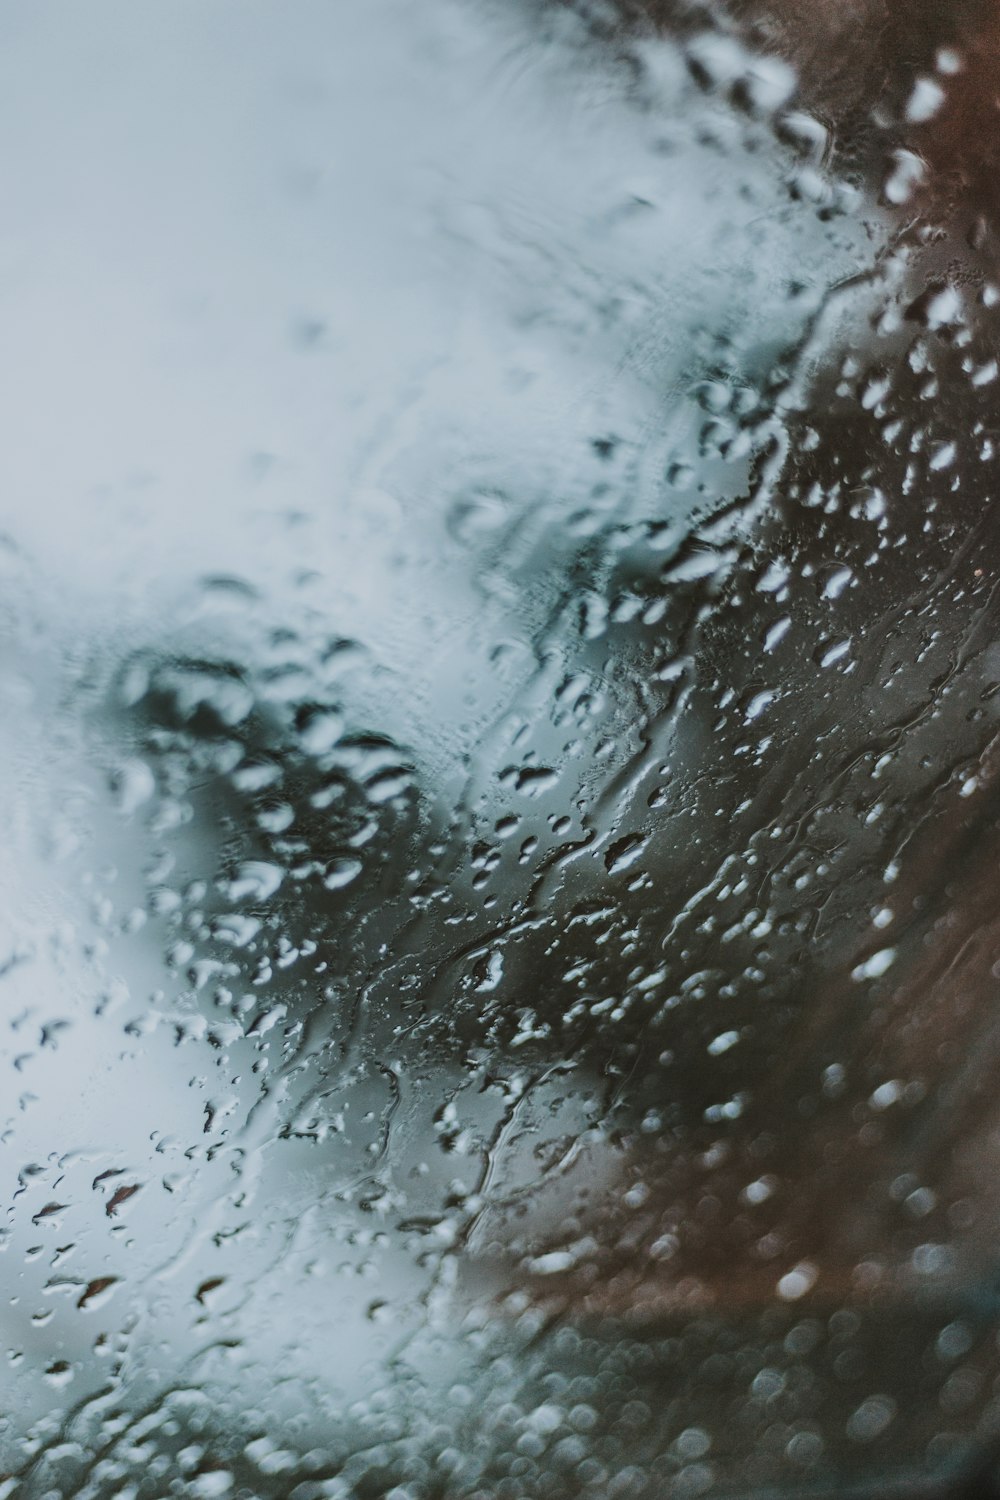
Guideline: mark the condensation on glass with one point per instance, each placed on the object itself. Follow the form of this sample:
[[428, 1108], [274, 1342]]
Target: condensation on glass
[[499, 591]]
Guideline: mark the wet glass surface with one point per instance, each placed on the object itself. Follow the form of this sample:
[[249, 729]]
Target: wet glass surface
[[500, 742]]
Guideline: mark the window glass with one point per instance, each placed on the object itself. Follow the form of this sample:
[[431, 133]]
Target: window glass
[[499, 730]]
